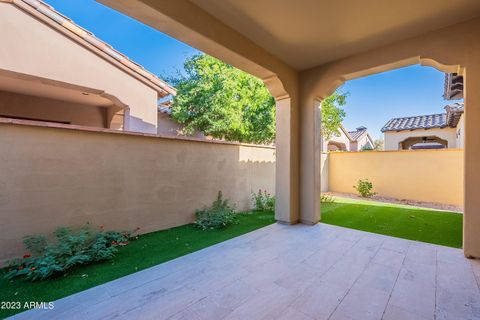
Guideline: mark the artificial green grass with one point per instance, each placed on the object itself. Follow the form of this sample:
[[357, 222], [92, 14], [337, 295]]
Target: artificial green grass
[[402, 221], [150, 249]]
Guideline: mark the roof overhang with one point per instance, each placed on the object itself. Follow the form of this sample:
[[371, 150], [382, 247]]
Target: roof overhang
[[453, 89]]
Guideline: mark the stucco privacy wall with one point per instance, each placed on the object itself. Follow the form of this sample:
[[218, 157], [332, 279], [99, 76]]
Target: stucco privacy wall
[[424, 175], [324, 163], [33, 48], [61, 177]]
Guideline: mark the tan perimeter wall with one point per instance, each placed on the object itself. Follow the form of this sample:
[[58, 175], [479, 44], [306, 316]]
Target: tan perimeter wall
[[54, 177], [324, 171], [424, 175]]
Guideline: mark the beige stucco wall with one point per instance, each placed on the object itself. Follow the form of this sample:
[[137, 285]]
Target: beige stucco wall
[[363, 141], [393, 138], [169, 127], [33, 48], [460, 133], [18, 105], [166, 126], [60, 177], [324, 163], [424, 175], [341, 138]]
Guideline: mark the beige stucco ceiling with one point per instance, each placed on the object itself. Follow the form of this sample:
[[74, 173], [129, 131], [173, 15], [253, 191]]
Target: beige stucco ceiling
[[37, 89], [307, 33]]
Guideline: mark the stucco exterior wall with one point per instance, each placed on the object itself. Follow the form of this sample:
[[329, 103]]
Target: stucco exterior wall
[[424, 175], [18, 105], [33, 48], [63, 177], [341, 138], [363, 141], [168, 127], [393, 138], [460, 133]]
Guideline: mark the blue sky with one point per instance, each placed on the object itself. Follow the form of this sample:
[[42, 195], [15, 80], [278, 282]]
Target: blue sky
[[372, 101], [409, 91]]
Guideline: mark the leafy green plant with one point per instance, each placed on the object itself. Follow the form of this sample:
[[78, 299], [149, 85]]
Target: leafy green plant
[[326, 198], [366, 147], [218, 216], [263, 201], [364, 188], [68, 249]]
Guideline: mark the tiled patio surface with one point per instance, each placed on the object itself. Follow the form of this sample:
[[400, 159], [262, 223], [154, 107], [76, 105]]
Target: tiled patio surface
[[291, 272]]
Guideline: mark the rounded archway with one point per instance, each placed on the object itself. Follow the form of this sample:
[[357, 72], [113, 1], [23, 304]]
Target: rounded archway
[[336, 146], [419, 143]]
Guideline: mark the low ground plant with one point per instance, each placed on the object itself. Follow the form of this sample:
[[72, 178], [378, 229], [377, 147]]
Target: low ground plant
[[69, 248], [263, 201], [326, 198], [218, 216], [364, 188]]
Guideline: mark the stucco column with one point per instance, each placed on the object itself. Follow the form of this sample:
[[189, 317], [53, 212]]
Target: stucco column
[[471, 219], [286, 170], [310, 154]]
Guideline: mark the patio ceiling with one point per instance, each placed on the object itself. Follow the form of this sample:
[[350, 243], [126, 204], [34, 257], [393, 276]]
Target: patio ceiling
[[308, 33], [32, 86], [279, 38]]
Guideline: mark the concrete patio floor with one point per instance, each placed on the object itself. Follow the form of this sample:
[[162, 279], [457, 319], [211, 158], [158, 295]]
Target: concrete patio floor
[[291, 272]]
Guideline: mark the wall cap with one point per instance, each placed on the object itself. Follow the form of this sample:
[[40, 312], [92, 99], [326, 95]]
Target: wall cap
[[45, 124]]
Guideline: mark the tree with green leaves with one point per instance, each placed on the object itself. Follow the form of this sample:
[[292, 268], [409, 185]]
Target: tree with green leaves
[[224, 102], [378, 144], [333, 114]]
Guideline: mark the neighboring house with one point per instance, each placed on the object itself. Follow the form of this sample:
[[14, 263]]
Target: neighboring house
[[349, 140], [360, 139], [167, 126], [56, 71], [434, 131], [453, 89]]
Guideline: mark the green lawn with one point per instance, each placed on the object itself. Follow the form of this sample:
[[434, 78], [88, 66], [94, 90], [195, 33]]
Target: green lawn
[[402, 221], [149, 250]]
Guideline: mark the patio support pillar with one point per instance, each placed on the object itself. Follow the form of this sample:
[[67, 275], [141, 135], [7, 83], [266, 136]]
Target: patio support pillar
[[286, 170], [310, 153], [471, 219]]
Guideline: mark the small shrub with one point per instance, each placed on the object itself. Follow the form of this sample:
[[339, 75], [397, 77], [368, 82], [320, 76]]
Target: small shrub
[[326, 198], [218, 216], [366, 147], [364, 188], [68, 249], [263, 201]]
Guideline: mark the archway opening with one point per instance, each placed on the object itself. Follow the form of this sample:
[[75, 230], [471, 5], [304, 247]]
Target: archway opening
[[423, 143], [393, 185]]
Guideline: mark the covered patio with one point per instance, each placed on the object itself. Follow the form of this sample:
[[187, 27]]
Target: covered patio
[[305, 50], [291, 272]]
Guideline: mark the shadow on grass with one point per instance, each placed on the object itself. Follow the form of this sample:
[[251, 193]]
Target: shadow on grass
[[432, 226]]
